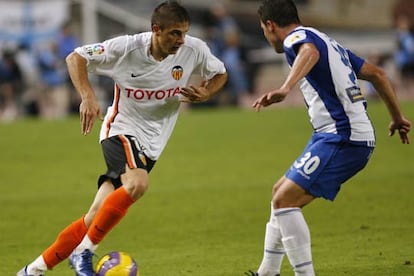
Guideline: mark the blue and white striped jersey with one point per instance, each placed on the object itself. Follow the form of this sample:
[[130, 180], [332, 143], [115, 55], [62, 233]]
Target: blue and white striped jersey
[[330, 90]]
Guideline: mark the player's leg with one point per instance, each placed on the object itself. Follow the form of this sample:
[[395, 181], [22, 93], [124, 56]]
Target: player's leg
[[68, 239], [128, 169], [115, 207], [285, 197], [294, 231], [103, 192], [274, 251], [325, 164]]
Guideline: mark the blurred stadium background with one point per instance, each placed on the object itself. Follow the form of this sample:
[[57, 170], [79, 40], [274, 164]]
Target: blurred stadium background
[[366, 26], [48, 162]]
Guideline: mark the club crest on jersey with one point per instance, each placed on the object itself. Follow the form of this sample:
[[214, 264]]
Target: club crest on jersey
[[177, 72], [94, 50], [142, 158]]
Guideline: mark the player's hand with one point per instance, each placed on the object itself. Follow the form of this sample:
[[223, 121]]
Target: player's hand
[[89, 110], [270, 98], [403, 127], [193, 94]]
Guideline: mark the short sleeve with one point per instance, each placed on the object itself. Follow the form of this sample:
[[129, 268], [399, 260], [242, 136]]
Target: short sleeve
[[209, 65], [101, 57], [355, 60]]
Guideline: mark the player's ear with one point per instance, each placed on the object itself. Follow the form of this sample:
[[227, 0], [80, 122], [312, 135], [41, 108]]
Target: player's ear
[[155, 28], [269, 25]]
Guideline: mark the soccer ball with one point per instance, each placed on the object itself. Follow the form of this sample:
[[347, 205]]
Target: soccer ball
[[117, 263]]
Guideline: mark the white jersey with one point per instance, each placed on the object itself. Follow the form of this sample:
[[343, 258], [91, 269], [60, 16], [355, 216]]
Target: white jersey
[[147, 91], [331, 91]]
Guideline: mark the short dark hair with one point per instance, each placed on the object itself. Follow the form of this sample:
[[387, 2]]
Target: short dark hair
[[282, 12], [169, 12]]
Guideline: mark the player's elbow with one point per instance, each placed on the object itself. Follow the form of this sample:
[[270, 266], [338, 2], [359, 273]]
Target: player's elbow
[[379, 74], [69, 58], [74, 59], [372, 73], [224, 78]]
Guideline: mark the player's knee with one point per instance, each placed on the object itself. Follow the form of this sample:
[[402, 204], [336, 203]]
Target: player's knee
[[284, 200], [277, 185], [135, 182], [280, 203], [137, 188], [275, 188]]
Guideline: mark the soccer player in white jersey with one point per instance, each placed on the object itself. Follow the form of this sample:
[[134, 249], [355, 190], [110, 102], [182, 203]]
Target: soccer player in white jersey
[[343, 138], [151, 72]]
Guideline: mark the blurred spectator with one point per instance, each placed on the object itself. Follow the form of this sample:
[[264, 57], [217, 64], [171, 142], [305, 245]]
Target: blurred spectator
[[54, 98], [403, 14], [10, 87], [223, 36], [380, 60], [104, 91], [27, 63], [404, 57], [403, 7], [67, 41]]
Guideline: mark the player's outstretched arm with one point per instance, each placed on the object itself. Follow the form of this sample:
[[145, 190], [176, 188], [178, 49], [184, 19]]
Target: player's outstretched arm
[[307, 57], [205, 91], [89, 108], [382, 85]]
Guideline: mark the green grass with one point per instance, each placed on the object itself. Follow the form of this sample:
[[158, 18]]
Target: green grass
[[209, 196]]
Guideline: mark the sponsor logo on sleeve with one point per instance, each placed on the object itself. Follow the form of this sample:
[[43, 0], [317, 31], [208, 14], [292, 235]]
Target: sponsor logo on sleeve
[[295, 38], [94, 50], [355, 94]]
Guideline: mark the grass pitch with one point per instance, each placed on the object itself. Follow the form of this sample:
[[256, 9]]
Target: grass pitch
[[209, 196]]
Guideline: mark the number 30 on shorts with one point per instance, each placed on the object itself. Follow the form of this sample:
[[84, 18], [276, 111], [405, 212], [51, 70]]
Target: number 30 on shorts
[[308, 163]]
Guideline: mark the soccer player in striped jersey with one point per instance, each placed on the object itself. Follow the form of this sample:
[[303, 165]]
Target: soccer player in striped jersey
[[151, 72], [343, 139]]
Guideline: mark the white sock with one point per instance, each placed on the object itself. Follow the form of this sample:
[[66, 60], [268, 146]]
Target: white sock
[[273, 252], [296, 240], [86, 243], [37, 266], [273, 248]]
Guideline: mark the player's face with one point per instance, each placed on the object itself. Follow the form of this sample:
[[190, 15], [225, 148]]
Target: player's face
[[270, 32], [171, 38]]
